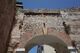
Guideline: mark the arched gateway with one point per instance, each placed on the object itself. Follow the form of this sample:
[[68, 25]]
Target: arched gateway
[[59, 45], [58, 41], [40, 28]]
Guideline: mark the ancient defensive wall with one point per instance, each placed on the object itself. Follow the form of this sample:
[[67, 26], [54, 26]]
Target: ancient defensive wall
[[58, 28]]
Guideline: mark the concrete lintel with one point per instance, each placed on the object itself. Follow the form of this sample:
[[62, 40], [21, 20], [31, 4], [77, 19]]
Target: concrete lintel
[[20, 49], [71, 47]]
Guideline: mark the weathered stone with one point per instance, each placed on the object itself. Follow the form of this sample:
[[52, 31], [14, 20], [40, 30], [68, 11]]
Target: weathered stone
[[32, 25]]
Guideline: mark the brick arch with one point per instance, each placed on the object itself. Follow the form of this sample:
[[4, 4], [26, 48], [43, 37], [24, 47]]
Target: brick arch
[[66, 38], [51, 40], [59, 35]]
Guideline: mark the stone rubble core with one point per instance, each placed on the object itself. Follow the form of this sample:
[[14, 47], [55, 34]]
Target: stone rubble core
[[30, 23]]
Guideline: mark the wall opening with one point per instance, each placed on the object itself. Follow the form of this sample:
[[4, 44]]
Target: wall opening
[[42, 49]]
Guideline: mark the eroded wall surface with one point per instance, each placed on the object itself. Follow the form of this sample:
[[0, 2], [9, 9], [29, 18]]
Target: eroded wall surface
[[28, 26]]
